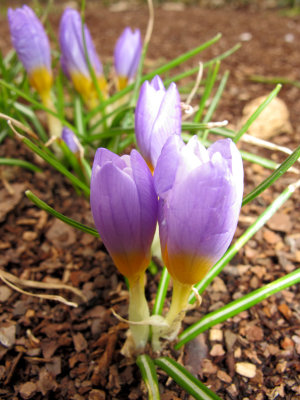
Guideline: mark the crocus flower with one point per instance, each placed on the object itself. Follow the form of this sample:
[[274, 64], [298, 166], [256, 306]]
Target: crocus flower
[[124, 207], [70, 140], [200, 195], [32, 46], [127, 56], [157, 116], [73, 59]]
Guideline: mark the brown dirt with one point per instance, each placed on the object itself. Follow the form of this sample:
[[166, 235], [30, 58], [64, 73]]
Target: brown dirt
[[56, 352]]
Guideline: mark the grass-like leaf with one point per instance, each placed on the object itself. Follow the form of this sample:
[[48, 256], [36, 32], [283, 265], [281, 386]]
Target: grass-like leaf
[[69, 221], [194, 70], [211, 79], [148, 371], [57, 165], [19, 163], [161, 292], [273, 177], [238, 306], [158, 71], [256, 113], [185, 379], [216, 98], [34, 102], [243, 239]]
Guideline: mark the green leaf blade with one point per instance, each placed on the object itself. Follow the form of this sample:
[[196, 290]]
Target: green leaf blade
[[185, 379], [148, 371], [237, 306]]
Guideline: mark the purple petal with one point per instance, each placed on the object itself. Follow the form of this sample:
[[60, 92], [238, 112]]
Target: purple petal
[[72, 48], [115, 207], [147, 198], [29, 39], [167, 123], [147, 108], [167, 164], [202, 213], [124, 207], [70, 139], [128, 52], [157, 83], [200, 200]]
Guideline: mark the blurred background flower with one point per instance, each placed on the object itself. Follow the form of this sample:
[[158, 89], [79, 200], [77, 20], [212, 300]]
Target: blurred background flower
[[127, 55], [73, 58], [32, 46]]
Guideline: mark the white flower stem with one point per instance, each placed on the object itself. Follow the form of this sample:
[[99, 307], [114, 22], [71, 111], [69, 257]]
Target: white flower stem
[[54, 124], [138, 311], [180, 296]]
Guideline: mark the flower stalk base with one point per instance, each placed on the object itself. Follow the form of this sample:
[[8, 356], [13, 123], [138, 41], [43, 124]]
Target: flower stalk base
[[138, 311]]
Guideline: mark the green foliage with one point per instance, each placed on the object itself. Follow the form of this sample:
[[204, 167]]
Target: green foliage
[[111, 124]]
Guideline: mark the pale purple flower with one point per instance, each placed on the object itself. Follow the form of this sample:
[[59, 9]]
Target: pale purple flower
[[127, 53], [70, 140], [200, 192], [157, 116], [32, 46], [124, 206], [73, 59]]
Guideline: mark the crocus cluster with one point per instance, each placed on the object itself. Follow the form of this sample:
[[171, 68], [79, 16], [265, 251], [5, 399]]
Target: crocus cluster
[[197, 191], [78, 54]]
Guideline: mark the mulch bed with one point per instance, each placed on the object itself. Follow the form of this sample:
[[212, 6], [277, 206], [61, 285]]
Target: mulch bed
[[52, 351]]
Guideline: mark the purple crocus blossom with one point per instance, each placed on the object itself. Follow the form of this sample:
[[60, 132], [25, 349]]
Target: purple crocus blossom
[[32, 46], [70, 140], [73, 58], [157, 116], [200, 192], [124, 206], [127, 53]]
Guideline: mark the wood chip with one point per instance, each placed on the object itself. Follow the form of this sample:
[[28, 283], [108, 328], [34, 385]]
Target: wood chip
[[285, 310], [80, 343], [8, 335], [223, 376], [215, 335], [5, 293], [246, 369], [28, 390], [271, 237], [217, 350], [254, 333]]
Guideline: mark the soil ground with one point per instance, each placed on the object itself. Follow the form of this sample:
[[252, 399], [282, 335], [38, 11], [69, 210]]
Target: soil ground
[[53, 351]]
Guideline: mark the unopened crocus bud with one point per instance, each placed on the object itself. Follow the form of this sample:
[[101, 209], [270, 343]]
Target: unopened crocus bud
[[127, 56], [70, 140], [32, 46], [124, 206], [200, 193], [157, 116], [73, 58]]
